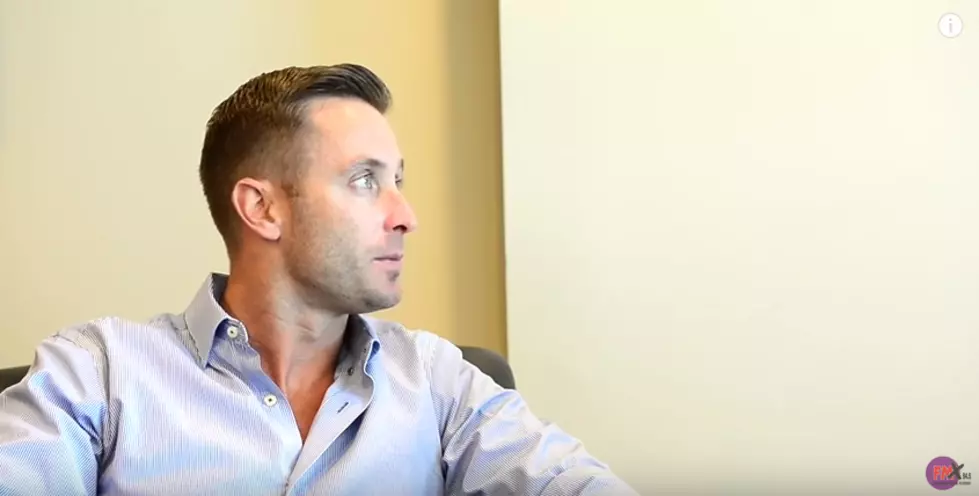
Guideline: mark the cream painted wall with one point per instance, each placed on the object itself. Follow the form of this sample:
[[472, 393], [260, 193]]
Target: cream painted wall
[[102, 111], [742, 238]]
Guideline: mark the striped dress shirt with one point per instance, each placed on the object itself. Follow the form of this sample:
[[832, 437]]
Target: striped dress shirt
[[180, 405]]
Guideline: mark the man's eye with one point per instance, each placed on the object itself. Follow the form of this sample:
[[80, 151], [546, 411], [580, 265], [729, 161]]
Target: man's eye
[[366, 182]]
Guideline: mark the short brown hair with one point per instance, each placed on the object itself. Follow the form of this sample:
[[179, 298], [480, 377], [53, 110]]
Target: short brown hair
[[257, 130]]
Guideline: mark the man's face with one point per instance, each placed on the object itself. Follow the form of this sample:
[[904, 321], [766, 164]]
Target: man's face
[[344, 241]]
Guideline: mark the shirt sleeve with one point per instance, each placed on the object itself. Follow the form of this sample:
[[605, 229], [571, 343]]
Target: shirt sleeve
[[51, 423], [493, 444]]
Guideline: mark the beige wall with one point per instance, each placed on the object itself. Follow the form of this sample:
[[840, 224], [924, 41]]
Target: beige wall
[[103, 105], [742, 236]]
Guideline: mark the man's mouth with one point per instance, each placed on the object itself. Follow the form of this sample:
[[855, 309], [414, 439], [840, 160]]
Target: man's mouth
[[390, 263]]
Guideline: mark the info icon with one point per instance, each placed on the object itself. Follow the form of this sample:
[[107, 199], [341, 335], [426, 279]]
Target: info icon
[[950, 25]]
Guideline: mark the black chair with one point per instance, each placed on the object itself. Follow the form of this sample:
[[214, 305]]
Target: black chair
[[11, 376], [491, 363]]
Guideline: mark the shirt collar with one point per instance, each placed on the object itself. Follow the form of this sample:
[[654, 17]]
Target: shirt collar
[[360, 342], [205, 318]]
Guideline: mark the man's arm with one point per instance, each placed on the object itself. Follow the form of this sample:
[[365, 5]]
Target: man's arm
[[493, 444], [51, 424]]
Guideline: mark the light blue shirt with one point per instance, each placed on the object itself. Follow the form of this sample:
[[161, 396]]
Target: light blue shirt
[[180, 405]]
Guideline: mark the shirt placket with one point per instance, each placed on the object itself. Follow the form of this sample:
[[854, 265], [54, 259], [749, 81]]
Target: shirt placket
[[347, 399], [248, 364]]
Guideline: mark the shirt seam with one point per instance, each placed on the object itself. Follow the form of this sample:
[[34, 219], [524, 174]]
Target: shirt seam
[[429, 363], [101, 374], [193, 339]]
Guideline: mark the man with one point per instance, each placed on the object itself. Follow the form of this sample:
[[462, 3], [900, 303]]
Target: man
[[272, 381]]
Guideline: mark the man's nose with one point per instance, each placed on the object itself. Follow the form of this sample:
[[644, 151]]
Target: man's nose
[[400, 216]]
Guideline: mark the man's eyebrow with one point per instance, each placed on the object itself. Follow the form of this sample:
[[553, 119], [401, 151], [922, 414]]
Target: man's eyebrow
[[374, 163]]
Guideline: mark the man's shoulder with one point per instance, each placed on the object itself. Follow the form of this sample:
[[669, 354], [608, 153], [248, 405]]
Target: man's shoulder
[[391, 333], [401, 342], [112, 333]]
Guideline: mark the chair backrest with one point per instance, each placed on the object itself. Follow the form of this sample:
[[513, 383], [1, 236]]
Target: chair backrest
[[11, 376], [490, 363]]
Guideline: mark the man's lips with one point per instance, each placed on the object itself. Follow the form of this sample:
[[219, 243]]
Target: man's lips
[[390, 262]]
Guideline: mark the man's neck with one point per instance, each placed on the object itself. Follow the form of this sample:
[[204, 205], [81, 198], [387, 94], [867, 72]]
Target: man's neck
[[299, 345]]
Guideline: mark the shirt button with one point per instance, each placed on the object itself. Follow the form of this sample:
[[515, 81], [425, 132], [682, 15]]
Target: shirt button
[[232, 331], [271, 400]]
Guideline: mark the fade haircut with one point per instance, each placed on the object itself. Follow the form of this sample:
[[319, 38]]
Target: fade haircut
[[259, 130]]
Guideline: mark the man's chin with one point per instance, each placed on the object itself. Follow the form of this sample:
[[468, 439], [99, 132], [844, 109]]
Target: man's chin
[[379, 301]]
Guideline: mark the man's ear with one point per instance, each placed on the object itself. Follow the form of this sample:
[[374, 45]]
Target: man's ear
[[255, 202]]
